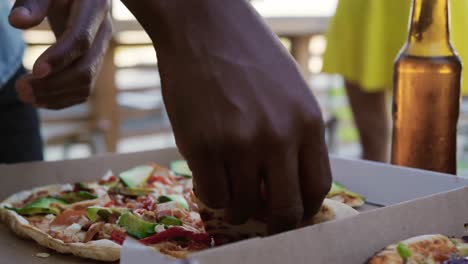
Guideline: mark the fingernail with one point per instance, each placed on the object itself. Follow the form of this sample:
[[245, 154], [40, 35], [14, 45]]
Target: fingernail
[[21, 12], [41, 70]]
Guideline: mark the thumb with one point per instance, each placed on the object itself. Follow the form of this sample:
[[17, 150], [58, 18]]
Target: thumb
[[28, 13]]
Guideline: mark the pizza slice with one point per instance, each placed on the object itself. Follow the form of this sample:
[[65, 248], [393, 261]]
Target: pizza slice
[[425, 249], [223, 232], [340, 193], [338, 205]]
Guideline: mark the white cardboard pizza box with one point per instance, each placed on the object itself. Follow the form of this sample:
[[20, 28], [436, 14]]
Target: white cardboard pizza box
[[351, 240], [382, 185]]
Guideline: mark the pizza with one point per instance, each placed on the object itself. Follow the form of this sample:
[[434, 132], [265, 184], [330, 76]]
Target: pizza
[[92, 219], [151, 203], [223, 232], [425, 249], [338, 192]]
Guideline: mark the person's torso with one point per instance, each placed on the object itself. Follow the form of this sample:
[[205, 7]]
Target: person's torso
[[11, 45]]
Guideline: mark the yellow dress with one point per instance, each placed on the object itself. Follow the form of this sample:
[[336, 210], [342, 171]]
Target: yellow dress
[[365, 36]]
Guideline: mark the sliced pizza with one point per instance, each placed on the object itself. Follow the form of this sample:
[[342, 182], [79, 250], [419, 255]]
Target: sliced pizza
[[425, 249], [92, 219], [150, 203]]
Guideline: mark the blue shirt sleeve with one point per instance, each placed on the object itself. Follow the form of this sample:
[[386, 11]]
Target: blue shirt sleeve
[[11, 45]]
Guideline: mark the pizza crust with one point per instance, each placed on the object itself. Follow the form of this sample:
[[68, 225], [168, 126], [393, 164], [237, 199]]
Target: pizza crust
[[165, 248], [104, 249], [331, 210]]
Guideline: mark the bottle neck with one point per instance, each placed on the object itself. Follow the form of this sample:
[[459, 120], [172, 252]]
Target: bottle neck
[[429, 33]]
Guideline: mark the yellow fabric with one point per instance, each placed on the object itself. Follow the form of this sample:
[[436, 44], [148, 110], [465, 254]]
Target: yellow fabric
[[365, 36]]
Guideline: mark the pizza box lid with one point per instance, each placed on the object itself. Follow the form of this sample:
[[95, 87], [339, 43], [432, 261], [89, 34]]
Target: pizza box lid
[[382, 184]]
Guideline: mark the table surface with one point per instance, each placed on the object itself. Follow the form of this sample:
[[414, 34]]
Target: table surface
[[18, 250]]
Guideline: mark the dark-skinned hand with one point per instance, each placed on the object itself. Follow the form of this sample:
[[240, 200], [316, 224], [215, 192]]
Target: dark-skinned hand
[[65, 73], [242, 114]]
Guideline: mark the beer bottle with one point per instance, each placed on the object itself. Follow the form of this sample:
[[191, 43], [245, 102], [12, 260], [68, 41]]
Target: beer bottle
[[426, 94]]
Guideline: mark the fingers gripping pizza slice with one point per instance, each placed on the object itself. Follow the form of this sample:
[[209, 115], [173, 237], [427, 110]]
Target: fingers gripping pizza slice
[[224, 232], [338, 192]]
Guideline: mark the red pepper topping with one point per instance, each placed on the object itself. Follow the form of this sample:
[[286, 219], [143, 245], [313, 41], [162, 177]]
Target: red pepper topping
[[177, 232], [68, 217], [118, 236], [158, 178], [110, 179]]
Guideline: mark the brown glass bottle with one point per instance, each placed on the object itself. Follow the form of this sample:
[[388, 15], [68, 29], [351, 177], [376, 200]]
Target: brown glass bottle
[[426, 93]]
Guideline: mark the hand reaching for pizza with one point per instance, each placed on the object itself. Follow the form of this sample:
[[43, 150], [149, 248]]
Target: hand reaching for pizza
[[241, 112], [65, 73]]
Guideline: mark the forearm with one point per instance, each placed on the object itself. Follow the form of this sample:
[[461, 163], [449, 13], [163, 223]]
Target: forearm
[[231, 90], [196, 28]]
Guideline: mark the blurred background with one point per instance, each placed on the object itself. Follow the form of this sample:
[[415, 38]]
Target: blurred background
[[126, 111]]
